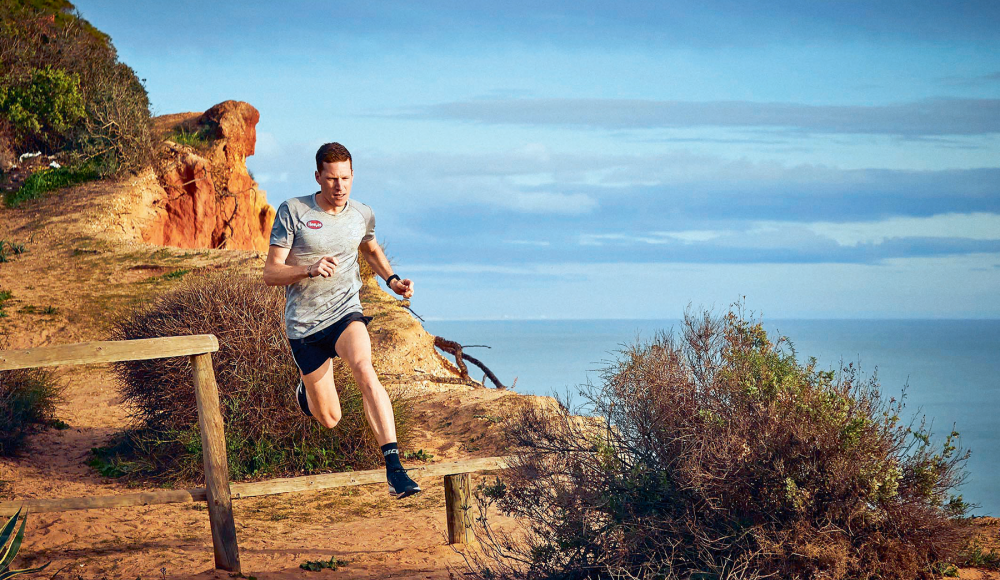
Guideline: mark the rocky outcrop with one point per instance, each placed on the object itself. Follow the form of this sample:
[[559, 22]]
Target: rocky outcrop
[[209, 198]]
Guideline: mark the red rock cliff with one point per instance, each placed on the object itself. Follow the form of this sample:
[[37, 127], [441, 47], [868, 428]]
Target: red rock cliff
[[209, 198]]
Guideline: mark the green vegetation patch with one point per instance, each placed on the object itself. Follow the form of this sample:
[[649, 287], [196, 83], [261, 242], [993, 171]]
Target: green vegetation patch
[[176, 274], [317, 565], [5, 296], [46, 109], [198, 138], [51, 179]]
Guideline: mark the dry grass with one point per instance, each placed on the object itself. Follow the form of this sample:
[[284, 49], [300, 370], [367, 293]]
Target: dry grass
[[28, 399]]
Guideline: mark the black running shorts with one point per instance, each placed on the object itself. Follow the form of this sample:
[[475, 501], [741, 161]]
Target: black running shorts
[[312, 351]]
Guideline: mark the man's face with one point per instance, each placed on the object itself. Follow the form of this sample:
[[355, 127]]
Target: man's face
[[335, 181]]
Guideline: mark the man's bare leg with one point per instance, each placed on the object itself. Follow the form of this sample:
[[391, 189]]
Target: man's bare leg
[[321, 393], [355, 347]]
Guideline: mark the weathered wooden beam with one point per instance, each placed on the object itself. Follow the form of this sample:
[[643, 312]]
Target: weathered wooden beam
[[252, 489], [8, 508], [213, 449], [332, 480], [108, 351], [458, 507]]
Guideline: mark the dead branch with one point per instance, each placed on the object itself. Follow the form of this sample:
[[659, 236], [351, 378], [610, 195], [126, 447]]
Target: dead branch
[[455, 349]]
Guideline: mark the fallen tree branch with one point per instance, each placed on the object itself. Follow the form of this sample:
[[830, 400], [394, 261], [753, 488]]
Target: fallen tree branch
[[455, 349]]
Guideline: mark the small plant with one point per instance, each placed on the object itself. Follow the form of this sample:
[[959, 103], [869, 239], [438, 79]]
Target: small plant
[[199, 138], [489, 418], [50, 310], [5, 295], [316, 565], [9, 249], [10, 546], [176, 274], [59, 425], [419, 455]]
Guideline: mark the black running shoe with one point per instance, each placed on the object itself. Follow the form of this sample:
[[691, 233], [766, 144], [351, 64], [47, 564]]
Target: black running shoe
[[300, 396], [400, 484]]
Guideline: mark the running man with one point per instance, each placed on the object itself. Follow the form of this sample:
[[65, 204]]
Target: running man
[[315, 242]]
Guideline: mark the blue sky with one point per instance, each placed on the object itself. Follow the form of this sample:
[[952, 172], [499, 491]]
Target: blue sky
[[574, 160]]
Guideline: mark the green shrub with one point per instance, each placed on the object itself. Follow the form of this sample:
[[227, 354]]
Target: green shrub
[[715, 455], [46, 111], [27, 403], [46, 180], [63, 90], [266, 434]]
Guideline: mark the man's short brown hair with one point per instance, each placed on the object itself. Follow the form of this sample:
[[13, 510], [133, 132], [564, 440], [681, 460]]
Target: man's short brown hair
[[332, 153]]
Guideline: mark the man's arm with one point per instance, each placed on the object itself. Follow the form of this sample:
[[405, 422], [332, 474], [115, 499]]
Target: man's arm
[[277, 273], [375, 257]]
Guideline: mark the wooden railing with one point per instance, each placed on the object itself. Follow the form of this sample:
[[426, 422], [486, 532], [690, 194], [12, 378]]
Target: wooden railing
[[218, 492]]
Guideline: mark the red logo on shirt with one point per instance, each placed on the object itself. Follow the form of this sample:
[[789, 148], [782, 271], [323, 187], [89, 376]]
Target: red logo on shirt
[[314, 224]]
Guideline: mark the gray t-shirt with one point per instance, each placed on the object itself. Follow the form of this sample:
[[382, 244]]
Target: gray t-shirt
[[315, 303]]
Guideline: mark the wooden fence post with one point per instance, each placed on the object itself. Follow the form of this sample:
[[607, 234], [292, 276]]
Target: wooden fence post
[[213, 442], [458, 505]]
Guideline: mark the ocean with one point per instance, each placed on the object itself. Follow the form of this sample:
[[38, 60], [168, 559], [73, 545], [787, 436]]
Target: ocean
[[951, 367]]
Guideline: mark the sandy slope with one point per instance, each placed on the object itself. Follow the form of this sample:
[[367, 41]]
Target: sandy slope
[[83, 259]]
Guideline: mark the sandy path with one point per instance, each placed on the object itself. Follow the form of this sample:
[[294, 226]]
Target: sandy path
[[379, 536]]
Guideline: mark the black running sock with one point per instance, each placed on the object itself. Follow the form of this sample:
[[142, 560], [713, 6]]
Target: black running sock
[[391, 454]]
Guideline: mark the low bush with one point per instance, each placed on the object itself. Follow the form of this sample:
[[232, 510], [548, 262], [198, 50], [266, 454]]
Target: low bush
[[266, 434], [28, 399], [716, 454]]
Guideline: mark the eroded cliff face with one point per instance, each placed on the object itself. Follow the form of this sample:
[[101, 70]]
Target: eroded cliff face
[[209, 199]]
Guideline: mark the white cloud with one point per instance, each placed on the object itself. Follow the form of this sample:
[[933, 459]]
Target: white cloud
[[789, 234], [686, 237], [692, 236], [267, 145], [969, 226], [548, 202], [265, 177], [470, 269], [540, 243]]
